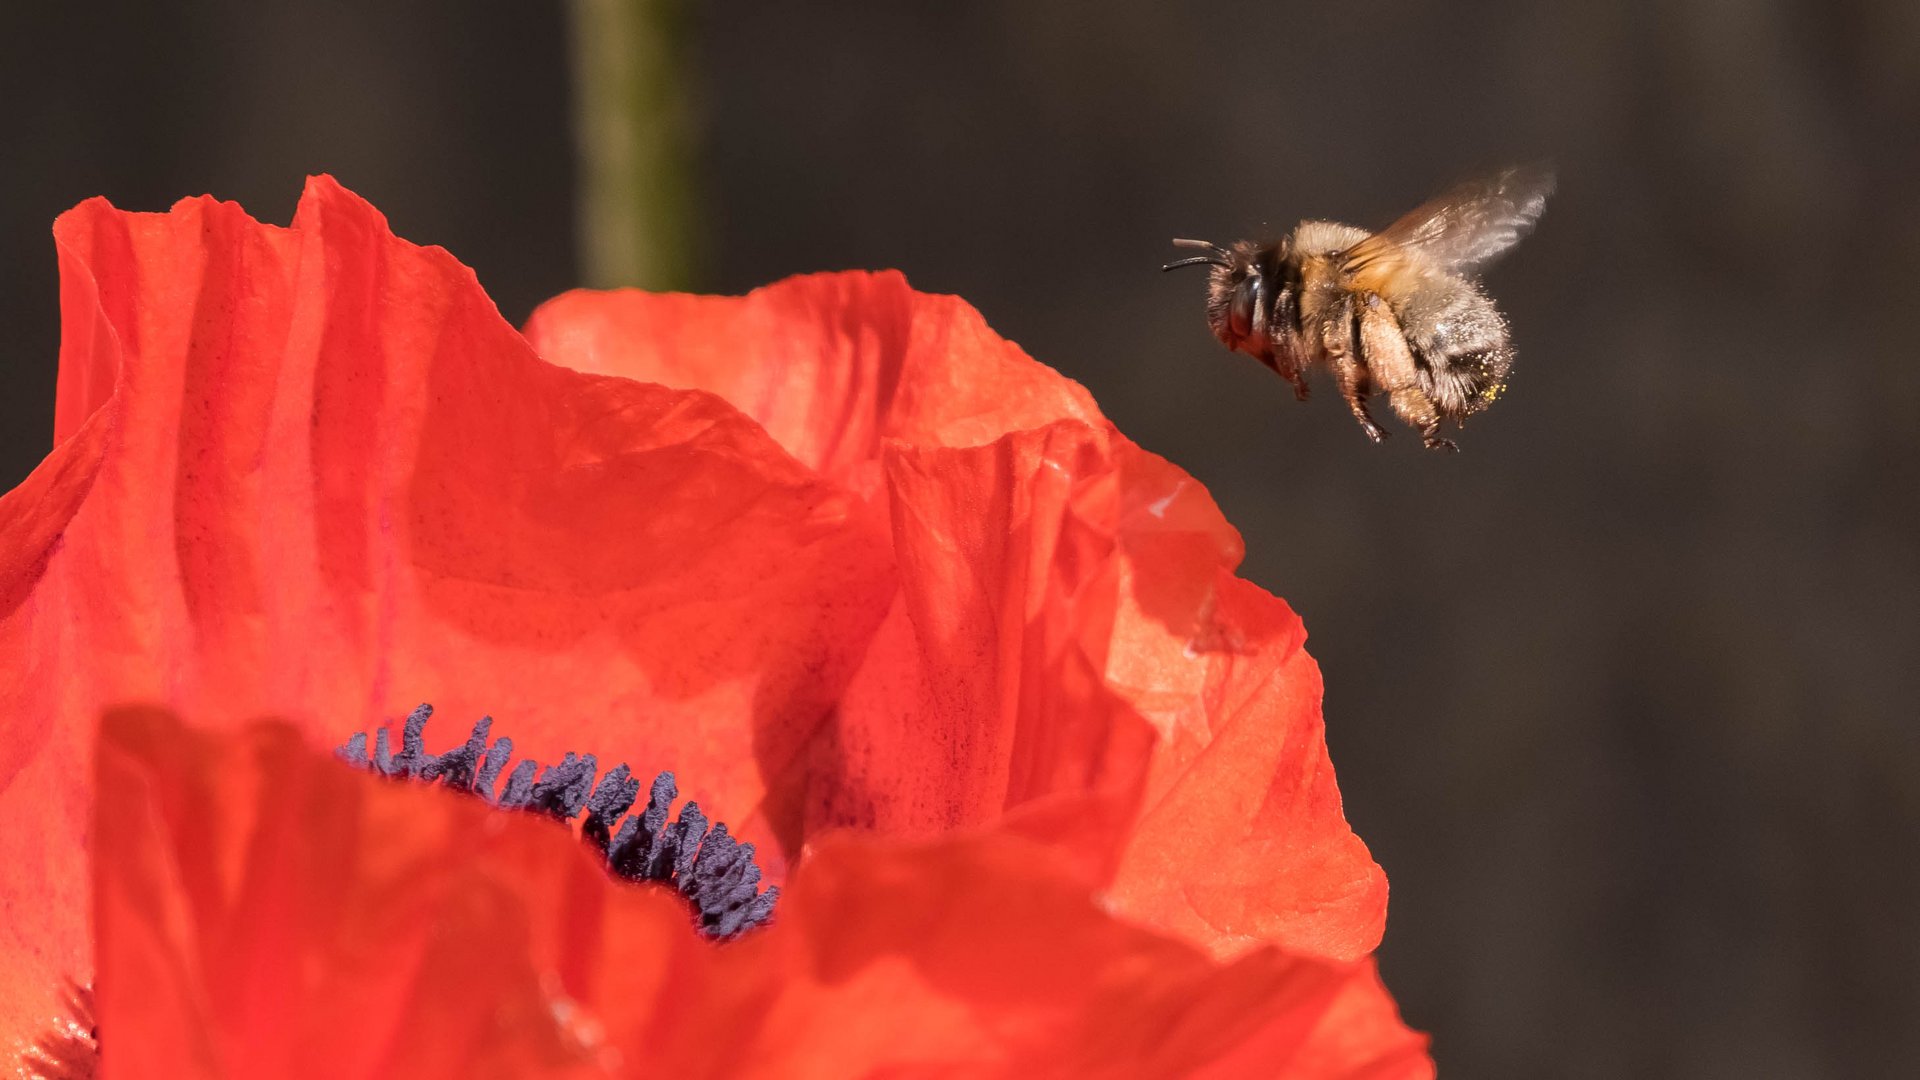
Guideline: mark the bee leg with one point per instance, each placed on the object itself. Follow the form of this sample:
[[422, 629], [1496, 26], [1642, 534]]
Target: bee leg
[[1410, 403], [1351, 374], [1344, 351], [1431, 438], [1284, 365], [1395, 370]]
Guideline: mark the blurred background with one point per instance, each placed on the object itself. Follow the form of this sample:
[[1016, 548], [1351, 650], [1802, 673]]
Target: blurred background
[[1622, 696]]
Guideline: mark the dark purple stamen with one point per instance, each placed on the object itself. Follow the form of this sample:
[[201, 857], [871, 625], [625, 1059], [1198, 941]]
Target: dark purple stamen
[[71, 1051], [715, 872]]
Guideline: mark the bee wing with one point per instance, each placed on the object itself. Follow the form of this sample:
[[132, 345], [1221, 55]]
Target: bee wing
[[1456, 232]]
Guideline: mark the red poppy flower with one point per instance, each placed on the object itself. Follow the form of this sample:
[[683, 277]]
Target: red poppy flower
[[892, 599]]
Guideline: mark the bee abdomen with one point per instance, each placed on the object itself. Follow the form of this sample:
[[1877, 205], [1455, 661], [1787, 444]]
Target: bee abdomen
[[1465, 383], [1460, 343]]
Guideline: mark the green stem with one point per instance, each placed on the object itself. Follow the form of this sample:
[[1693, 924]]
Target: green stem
[[633, 140]]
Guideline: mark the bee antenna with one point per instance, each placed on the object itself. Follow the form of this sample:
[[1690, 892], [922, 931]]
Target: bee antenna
[[1196, 261], [1215, 255]]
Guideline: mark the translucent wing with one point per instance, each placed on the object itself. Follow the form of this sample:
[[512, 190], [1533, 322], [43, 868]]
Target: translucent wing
[[1458, 232]]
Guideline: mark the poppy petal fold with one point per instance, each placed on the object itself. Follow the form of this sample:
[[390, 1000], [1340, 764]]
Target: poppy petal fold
[[833, 365]]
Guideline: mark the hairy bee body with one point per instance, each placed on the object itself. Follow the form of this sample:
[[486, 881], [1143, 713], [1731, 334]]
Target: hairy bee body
[[1395, 312]]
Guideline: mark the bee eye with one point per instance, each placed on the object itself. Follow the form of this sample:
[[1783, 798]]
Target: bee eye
[[1247, 297]]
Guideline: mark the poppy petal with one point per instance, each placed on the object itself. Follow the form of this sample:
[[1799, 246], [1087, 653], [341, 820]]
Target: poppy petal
[[970, 955], [265, 911], [1244, 839], [832, 365], [1070, 648], [311, 471], [43, 939], [352, 486], [1034, 544]]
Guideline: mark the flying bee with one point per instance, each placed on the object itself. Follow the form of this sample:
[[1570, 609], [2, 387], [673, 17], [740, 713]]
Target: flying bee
[[1395, 312]]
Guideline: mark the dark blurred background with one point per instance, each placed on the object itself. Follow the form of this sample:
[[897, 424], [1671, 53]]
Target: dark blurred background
[[1622, 696]]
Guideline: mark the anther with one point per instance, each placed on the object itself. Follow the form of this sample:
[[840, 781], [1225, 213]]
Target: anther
[[715, 872]]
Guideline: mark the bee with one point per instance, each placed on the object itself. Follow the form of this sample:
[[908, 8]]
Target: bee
[[1395, 312]]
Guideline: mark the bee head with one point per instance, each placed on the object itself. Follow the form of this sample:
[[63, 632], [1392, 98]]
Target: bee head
[[1238, 299]]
